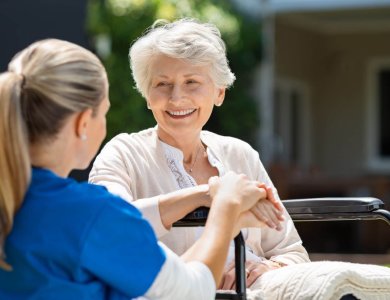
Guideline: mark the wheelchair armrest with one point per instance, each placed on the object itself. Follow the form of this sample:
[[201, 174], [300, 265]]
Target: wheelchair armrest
[[314, 209], [332, 209], [197, 217]]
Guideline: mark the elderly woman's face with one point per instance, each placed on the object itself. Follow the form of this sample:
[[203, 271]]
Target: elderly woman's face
[[181, 96]]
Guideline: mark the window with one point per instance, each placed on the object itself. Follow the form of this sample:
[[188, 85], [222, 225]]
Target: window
[[291, 123], [378, 147], [384, 112]]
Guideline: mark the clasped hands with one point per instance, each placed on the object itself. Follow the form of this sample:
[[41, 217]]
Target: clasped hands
[[267, 210], [259, 207]]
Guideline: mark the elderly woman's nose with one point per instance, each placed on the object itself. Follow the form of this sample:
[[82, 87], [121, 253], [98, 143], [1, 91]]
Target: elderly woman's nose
[[176, 92]]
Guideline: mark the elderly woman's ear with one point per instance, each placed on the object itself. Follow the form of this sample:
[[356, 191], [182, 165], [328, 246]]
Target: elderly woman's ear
[[220, 97]]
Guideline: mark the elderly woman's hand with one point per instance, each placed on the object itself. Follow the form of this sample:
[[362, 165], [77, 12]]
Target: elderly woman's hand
[[253, 271], [269, 210], [271, 197]]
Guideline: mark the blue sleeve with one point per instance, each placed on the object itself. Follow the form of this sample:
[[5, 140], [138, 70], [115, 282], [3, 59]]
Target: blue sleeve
[[121, 249]]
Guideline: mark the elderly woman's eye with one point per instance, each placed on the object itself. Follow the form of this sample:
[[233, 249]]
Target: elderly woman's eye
[[191, 81], [162, 83]]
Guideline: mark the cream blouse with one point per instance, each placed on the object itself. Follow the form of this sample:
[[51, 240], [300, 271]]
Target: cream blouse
[[139, 167]]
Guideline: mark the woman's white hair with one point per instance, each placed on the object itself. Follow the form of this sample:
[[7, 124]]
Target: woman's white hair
[[199, 43]]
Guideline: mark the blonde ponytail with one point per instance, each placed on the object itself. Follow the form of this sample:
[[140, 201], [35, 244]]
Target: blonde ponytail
[[15, 167]]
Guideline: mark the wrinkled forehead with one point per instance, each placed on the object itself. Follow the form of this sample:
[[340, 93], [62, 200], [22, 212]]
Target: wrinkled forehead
[[163, 65]]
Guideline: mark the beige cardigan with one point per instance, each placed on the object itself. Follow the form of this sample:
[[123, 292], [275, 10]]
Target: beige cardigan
[[134, 167]]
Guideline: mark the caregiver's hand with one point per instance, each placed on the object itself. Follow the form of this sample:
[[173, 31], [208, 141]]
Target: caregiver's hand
[[236, 189]]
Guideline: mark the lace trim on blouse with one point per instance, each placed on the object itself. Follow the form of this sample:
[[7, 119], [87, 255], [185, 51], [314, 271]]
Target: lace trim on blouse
[[174, 158]]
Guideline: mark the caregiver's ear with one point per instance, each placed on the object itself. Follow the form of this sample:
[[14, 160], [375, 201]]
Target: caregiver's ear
[[82, 123]]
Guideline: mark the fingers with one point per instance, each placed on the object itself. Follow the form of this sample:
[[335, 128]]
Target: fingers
[[213, 185], [262, 216], [229, 279], [213, 180], [255, 271], [273, 216], [267, 213], [230, 266], [271, 197]]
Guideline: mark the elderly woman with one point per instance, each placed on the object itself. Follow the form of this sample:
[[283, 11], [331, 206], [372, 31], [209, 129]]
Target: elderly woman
[[182, 71]]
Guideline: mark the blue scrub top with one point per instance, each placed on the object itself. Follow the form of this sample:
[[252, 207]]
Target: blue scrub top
[[75, 240]]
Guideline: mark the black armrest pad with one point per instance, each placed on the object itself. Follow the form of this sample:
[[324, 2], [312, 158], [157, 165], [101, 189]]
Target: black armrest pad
[[200, 213], [197, 217], [310, 209], [332, 205]]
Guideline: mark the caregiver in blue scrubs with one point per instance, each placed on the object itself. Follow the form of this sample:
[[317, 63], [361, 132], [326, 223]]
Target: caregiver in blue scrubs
[[60, 239]]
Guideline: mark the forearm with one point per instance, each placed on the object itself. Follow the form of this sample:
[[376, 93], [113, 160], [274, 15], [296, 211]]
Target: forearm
[[295, 256], [180, 280], [211, 249], [174, 206]]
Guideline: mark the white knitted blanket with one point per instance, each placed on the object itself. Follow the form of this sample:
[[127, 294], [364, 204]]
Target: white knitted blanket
[[323, 280]]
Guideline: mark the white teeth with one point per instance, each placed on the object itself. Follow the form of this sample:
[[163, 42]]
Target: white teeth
[[181, 112]]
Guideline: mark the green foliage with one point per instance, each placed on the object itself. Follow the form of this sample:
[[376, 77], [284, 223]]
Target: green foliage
[[123, 21]]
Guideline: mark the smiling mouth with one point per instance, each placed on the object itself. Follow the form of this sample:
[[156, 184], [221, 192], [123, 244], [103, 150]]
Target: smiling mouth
[[181, 113]]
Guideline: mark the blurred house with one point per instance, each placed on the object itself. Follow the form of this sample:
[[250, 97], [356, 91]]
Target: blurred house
[[324, 99], [332, 92]]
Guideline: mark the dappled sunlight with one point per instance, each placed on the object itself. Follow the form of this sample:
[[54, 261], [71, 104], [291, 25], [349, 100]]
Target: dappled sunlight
[[174, 9], [123, 7], [166, 11], [227, 22]]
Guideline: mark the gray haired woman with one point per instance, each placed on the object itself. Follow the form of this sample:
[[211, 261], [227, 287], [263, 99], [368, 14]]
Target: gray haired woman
[[182, 71]]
